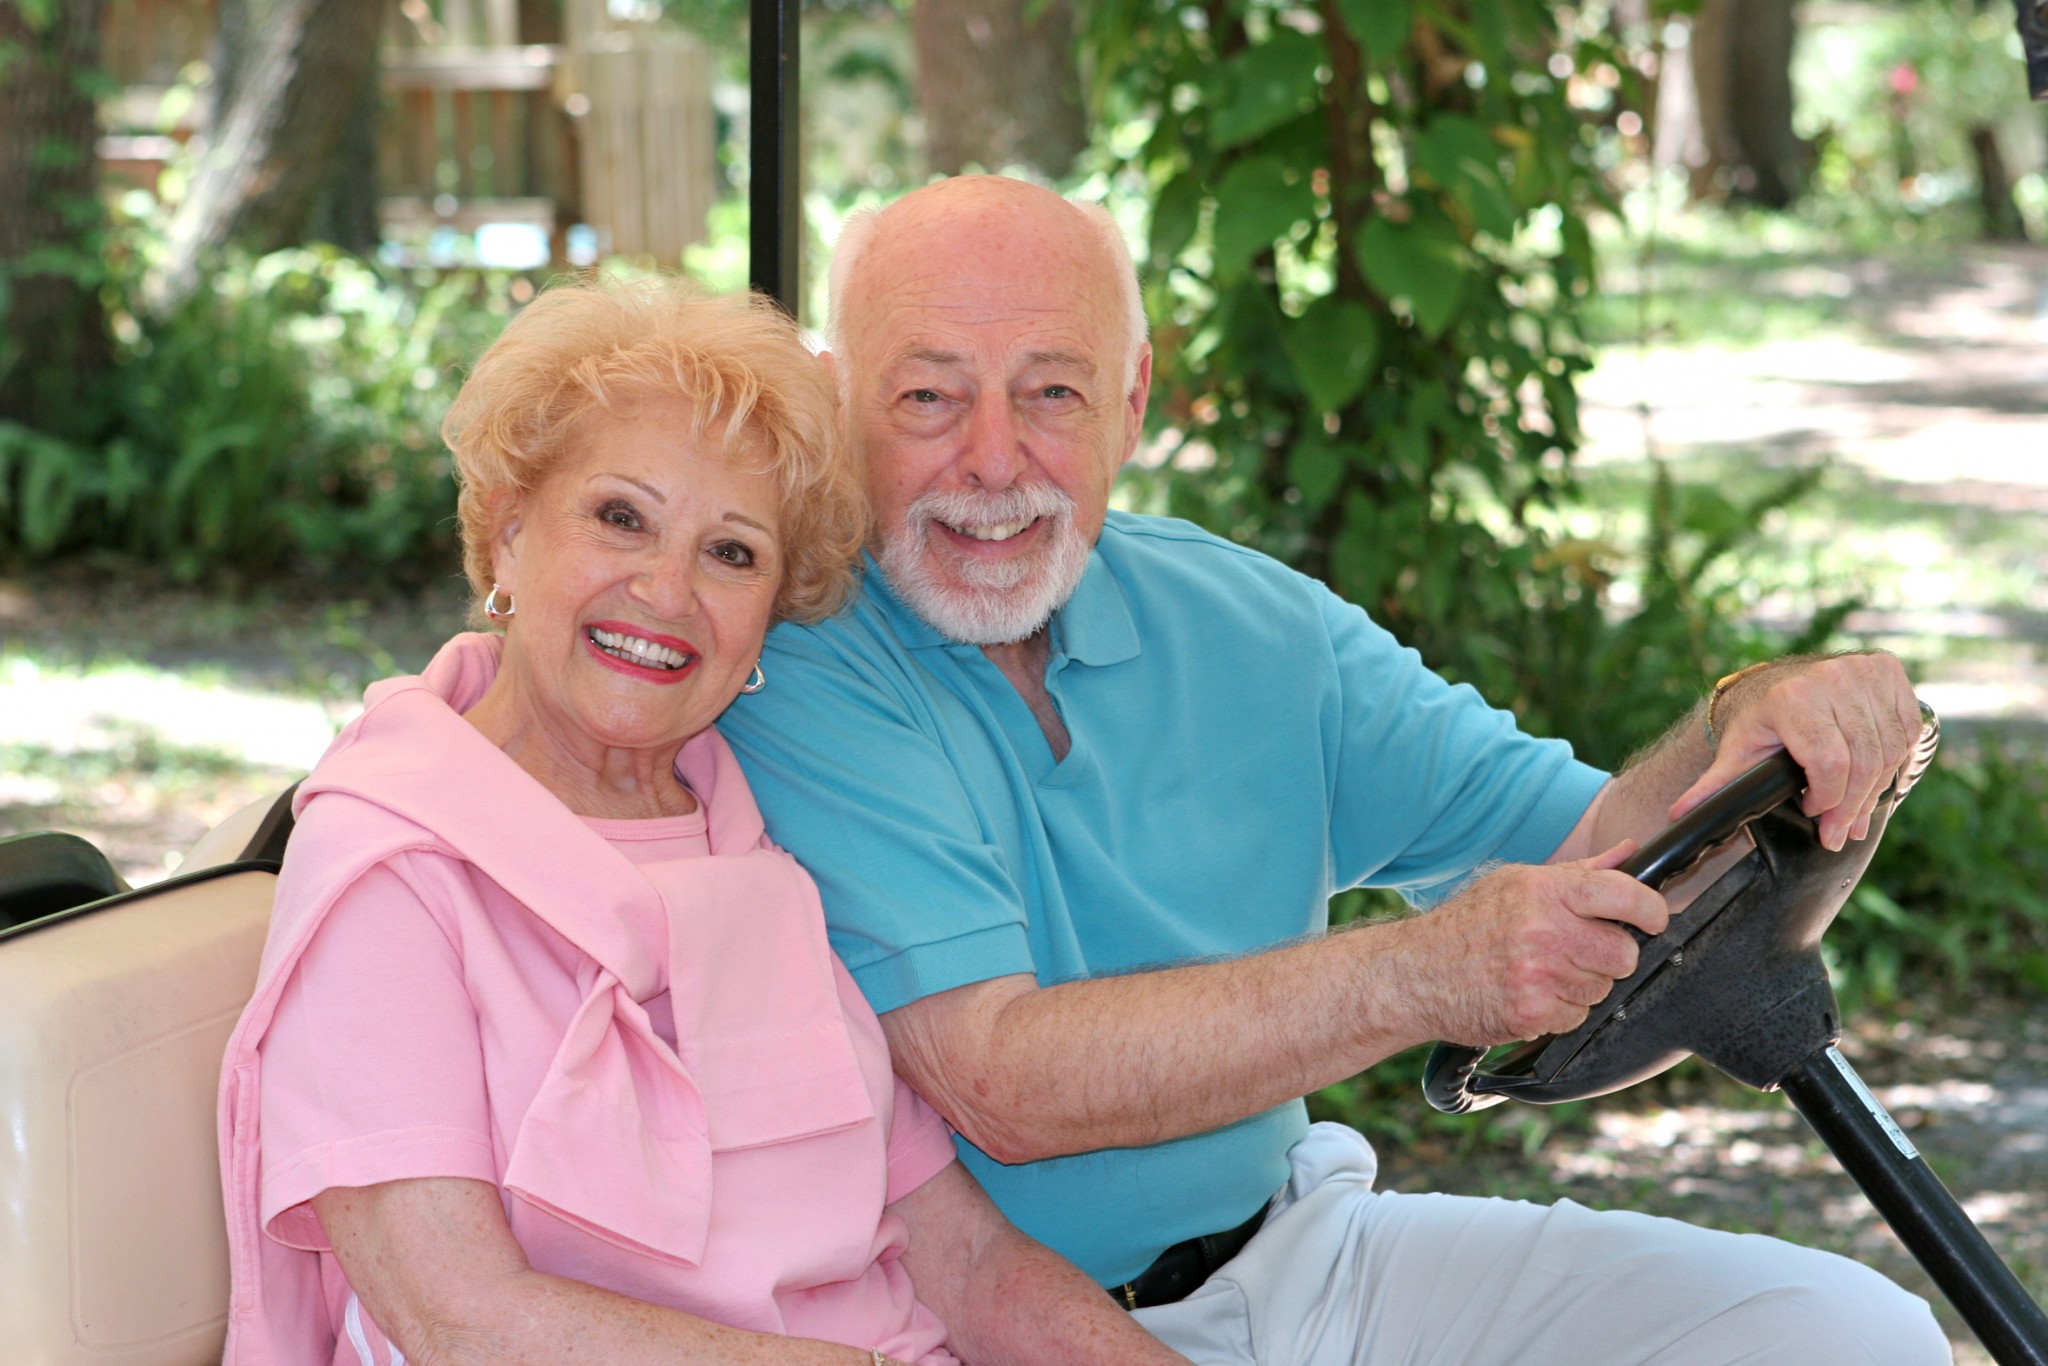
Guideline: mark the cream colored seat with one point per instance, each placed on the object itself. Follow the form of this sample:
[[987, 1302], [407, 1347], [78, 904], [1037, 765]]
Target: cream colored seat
[[113, 1020]]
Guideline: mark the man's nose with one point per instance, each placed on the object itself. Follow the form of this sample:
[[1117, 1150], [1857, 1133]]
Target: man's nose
[[994, 454]]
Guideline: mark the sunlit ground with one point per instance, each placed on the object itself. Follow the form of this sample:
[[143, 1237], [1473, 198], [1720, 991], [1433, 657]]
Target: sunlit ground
[[140, 720], [1925, 399]]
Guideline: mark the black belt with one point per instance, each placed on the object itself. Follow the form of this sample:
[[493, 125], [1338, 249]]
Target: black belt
[[1176, 1272]]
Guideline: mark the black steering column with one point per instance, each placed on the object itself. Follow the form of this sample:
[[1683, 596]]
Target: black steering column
[[1737, 978]]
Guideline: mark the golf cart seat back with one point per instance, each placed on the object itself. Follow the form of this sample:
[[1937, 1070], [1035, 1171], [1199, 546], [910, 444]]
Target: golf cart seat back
[[47, 871], [114, 1016]]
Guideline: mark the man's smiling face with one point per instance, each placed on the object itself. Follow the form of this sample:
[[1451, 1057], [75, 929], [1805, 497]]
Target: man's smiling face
[[993, 394]]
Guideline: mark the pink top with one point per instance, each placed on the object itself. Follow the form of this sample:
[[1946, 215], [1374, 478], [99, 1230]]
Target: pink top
[[636, 1030]]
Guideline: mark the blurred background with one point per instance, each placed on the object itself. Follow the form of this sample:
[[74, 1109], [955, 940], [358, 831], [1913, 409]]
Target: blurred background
[[1598, 349]]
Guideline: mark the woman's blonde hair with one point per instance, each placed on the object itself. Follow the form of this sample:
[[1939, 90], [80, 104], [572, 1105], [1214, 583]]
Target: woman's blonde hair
[[600, 343]]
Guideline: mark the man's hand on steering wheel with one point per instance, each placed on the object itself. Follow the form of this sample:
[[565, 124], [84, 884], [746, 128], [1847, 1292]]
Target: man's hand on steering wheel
[[1850, 720], [1525, 950]]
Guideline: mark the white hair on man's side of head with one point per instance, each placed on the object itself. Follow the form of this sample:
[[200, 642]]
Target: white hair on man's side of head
[[857, 233], [1130, 301]]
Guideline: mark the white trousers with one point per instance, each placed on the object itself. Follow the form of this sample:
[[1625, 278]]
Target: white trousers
[[1340, 1274]]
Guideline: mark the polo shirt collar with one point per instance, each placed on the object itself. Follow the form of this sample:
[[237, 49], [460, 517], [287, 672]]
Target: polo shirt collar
[[1095, 627]]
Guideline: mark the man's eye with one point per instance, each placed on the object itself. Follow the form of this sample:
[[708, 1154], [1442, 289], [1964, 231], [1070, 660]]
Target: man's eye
[[619, 515], [732, 552], [1057, 391], [924, 396]]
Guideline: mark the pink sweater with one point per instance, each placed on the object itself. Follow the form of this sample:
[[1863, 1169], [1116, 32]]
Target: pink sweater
[[741, 1175]]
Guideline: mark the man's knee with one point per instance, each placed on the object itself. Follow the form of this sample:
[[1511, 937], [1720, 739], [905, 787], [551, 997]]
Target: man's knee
[[1814, 1306]]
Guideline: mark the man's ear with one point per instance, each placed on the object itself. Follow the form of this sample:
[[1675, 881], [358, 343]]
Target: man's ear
[[1135, 403]]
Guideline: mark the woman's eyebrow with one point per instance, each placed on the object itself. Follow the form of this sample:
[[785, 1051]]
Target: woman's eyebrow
[[656, 494], [745, 520]]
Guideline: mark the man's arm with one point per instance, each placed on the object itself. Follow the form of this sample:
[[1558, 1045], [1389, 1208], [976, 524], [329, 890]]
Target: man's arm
[[1850, 720], [1029, 1072], [1005, 1299]]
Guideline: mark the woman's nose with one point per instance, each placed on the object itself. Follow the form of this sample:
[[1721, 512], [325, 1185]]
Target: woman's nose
[[668, 586]]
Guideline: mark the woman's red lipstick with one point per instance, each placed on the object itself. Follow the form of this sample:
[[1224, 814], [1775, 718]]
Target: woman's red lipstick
[[663, 671]]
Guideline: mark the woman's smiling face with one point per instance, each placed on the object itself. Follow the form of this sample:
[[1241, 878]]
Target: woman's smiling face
[[643, 570]]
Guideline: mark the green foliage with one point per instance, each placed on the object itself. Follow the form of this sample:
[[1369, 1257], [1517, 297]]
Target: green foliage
[[1891, 101], [1959, 888], [1366, 259], [287, 417]]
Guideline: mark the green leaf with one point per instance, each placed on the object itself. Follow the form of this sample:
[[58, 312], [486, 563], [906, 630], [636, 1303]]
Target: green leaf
[[1176, 213], [1409, 261], [1269, 85], [1256, 204], [1315, 466], [1459, 155], [1334, 345], [1250, 348], [1381, 26], [49, 495]]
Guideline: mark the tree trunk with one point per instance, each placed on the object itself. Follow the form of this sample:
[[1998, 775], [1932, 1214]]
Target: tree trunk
[[273, 145], [345, 210], [2002, 221], [53, 337], [1742, 80], [998, 84]]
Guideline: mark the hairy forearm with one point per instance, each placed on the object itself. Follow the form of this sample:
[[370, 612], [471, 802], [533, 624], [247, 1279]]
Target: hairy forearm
[[1028, 1073], [1637, 803], [1005, 1299], [1030, 1307]]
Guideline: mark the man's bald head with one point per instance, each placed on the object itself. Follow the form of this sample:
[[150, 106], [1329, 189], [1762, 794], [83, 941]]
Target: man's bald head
[[968, 219]]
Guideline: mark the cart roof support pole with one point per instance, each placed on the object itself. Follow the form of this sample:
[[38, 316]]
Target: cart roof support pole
[[774, 216], [2034, 42]]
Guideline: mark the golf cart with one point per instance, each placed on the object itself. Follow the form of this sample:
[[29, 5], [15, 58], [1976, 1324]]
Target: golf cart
[[116, 1003]]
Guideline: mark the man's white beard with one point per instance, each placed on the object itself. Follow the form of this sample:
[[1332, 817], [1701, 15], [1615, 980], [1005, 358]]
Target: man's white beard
[[986, 602]]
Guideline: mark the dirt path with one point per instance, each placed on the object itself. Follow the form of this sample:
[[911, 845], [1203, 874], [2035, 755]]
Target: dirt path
[[1927, 396]]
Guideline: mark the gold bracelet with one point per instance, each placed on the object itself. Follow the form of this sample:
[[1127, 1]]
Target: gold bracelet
[[1721, 686]]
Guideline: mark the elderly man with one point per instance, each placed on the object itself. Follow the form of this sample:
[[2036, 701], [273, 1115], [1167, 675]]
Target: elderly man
[[1077, 786]]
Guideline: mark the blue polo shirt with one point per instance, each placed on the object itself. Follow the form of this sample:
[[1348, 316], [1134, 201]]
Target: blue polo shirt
[[1244, 744]]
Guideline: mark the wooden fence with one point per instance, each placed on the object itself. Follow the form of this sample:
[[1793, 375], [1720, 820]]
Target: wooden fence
[[476, 135], [648, 139]]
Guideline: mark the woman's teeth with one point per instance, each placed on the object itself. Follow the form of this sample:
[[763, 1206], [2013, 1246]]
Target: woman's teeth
[[1001, 531], [637, 650]]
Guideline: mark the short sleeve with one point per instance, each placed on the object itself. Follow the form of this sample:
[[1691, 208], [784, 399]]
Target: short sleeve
[[1427, 768], [372, 1065], [920, 1143], [855, 778]]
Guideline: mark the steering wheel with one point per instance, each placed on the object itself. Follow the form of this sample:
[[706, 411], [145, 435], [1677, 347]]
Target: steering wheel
[[1736, 976]]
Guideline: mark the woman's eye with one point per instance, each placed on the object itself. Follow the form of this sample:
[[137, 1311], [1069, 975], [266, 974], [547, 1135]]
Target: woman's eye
[[732, 552], [620, 515]]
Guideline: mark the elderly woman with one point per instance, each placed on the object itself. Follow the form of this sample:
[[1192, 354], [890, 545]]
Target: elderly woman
[[549, 1059]]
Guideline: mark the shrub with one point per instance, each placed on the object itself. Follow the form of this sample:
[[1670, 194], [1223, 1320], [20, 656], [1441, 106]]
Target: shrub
[[285, 418]]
